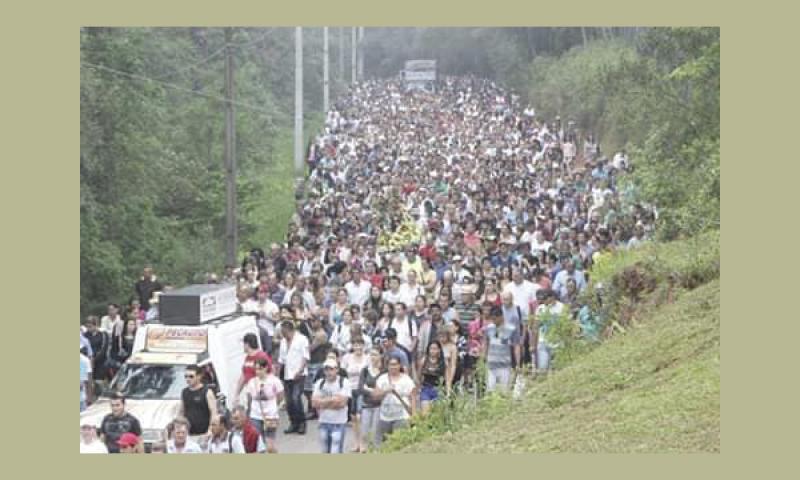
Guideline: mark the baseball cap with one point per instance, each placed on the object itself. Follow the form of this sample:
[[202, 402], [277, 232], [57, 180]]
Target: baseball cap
[[128, 440]]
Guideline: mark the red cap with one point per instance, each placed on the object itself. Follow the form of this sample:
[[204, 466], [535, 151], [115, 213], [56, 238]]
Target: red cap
[[128, 440]]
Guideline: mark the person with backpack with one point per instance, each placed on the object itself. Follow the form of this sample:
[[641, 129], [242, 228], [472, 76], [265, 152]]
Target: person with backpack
[[222, 438], [405, 327], [340, 337], [331, 396], [392, 349]]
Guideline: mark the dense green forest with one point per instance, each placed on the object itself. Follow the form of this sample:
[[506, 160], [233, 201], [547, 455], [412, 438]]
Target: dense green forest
[[152, 126]]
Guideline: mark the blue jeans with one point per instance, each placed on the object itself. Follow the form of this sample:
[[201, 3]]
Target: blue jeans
[[331, 437], [294, 401], [543, 355]]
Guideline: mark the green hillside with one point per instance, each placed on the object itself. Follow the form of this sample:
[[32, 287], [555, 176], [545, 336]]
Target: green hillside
[[655, 388]]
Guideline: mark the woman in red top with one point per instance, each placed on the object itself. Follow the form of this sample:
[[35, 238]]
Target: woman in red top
[[375, 278], [472, 238], [252, 353]]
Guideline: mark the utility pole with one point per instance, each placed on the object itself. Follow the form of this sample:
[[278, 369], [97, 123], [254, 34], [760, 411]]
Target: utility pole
[[325, 74], [361, 54], [231, 233], [341, 54], [354, 61], [298, 101]]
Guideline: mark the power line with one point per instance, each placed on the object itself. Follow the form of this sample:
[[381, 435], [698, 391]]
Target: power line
[[240, 47], [190, 67], [170, 85]]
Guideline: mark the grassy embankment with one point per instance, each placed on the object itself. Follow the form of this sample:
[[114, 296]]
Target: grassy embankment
[[653, 388]]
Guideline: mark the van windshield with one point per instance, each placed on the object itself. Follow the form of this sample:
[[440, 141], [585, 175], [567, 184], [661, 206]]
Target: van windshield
[[149, 381]]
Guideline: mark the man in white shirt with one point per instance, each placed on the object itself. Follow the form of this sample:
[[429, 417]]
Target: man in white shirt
[[547, 314], [357, 289], [330, 398], [529, 235], [410, 289], [222, 439], [539, 243], [523, 291], [406, 328], [180, 441], [394, 294], [112, 323], [293, 357]]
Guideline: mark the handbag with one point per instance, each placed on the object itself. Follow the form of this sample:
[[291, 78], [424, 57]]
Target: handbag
[[269, 423]]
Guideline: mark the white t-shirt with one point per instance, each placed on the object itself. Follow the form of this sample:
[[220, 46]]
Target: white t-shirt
[[340, 337], [391, 297], [325, 389], [357, 294], [268, 308], [292, 356], [408, 294], [524, 294], [189, 447], [95, 447], [353, 366], [263, 395], [403, 337], [391, 408], [538, 247], [223, 446]]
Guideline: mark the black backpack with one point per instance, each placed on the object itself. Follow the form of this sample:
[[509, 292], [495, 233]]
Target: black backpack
[[322, 381]]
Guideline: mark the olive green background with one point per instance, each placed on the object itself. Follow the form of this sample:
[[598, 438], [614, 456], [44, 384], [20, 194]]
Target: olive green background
[[41, 240]]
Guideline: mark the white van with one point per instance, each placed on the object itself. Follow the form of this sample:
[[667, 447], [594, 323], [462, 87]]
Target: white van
[[152, 378]]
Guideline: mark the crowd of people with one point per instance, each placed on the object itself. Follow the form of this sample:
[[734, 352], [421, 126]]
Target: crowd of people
[[512, 210]]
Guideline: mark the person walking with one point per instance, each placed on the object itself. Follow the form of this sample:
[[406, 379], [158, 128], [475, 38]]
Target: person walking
[[501, 339], [264, 393], [397, 393], [369, 407], [293, 359], [353, 363], [331, 396], [117, 423], [198, 403]]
